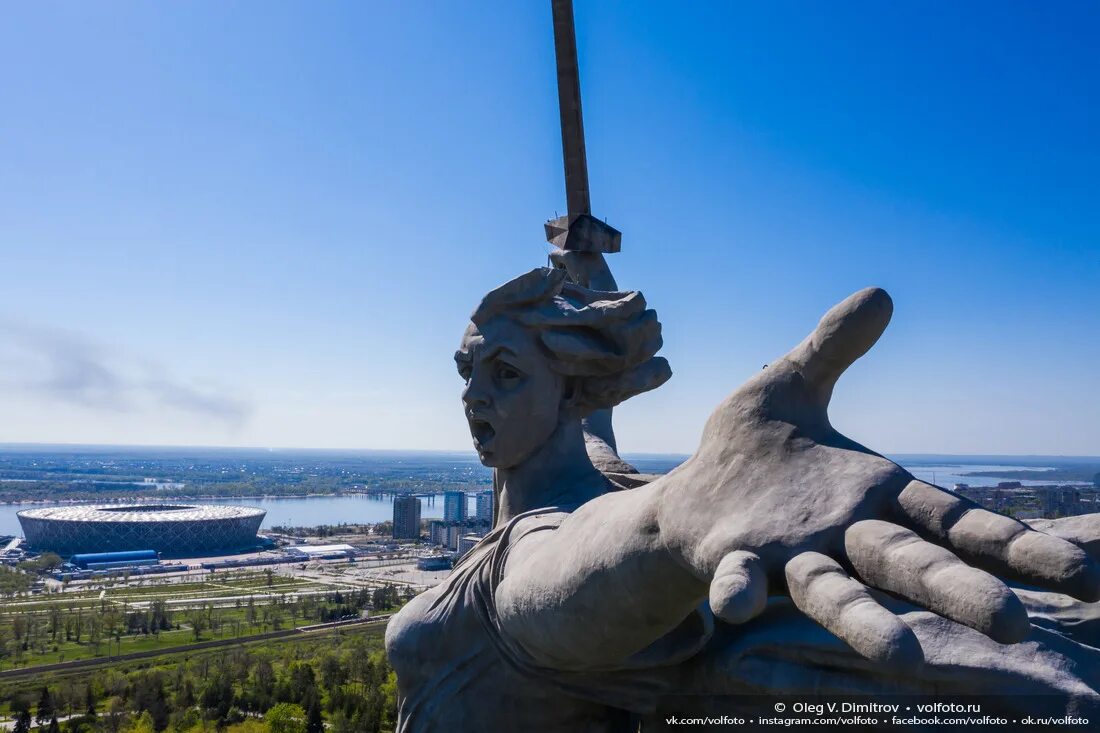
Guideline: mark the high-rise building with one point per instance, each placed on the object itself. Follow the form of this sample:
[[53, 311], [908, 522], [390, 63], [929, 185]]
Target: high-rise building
[[454, 506], [1070, 504], [406, 518], [438, 532], [485, 507], [454, 534]]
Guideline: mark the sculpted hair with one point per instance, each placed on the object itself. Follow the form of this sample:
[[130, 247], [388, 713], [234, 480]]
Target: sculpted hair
[[605, 341]]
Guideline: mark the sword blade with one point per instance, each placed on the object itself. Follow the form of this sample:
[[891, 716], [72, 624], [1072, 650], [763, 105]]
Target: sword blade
[[569, 105]]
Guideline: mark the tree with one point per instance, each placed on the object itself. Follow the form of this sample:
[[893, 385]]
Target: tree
[[197, 619], [299, 683], [21, 706], [260, 688], [160, 619], [314, 723], [22, 722], [42, 563], [286, 718], [141, 724], [218, 694], [45, 707], [147, 696], [333, 673], [116, 714], [89, 702]]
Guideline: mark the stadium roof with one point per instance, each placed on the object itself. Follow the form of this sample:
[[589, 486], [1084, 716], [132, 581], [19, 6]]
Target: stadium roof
[[130, 513]]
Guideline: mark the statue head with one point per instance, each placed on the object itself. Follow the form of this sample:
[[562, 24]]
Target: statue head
[[540, 351]]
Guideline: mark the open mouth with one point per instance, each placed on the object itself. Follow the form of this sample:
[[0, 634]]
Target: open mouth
[[482, 431]]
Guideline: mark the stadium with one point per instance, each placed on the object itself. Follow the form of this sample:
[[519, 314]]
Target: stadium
[[170, 529]]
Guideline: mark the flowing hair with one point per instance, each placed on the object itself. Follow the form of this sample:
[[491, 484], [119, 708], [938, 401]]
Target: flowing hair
[[605, 342]]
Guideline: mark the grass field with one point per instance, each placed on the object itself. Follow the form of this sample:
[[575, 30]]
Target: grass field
[[126, 618]]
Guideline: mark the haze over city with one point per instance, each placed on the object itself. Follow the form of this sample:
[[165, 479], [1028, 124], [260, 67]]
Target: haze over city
[[222, 226]]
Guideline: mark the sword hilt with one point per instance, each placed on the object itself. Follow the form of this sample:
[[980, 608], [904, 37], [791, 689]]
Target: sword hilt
[[577, 231]]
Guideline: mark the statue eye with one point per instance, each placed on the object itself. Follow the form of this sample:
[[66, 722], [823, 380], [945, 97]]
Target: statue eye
[[507, 373]]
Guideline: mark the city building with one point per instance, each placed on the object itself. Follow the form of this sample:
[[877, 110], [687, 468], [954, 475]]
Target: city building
[[485, 506], [109, 560], [467, 543], [437, 532], [1049, 502], [454, 506], [406, 518], [449, 534], [454, 534], [321, 552], [434, 562]]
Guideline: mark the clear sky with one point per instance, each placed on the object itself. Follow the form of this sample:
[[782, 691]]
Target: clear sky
[[264, 223]]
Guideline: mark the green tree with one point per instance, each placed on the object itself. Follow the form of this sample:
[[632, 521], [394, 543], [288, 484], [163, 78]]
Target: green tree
[[22, 709], [22, 722], [46, 708], [333, 673], [314, 722], [89, 702], [197, 619], [286, 718], [42, 563], [147, 696], [116, 714], [218, 694], [296, 684], [141, 724]]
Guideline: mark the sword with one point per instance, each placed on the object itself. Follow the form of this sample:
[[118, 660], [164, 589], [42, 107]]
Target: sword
[[578, 230]]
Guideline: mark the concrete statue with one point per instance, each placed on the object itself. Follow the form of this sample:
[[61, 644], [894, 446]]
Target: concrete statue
[[781, 557]]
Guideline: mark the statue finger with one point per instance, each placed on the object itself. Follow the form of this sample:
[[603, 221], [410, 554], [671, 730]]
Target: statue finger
[[1000, 544], [895, 559], [822, 590], [1082, 530], [739, 588], [844, 334]]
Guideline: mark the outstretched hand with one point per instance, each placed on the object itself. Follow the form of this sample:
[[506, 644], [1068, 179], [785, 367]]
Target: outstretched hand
[[805, 509]]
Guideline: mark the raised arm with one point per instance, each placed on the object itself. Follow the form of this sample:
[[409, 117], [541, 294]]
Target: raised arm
[[776, 500]]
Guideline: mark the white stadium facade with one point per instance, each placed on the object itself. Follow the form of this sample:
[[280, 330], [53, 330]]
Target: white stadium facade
[[170, 529]]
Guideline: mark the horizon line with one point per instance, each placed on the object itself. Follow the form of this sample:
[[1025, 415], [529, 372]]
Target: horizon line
[[277, 449]]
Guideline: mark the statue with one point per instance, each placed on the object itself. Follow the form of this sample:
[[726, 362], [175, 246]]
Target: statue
[[759, 565], [782, 557]]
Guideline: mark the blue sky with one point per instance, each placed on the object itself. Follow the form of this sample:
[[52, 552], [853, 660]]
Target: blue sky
[[262, 223]]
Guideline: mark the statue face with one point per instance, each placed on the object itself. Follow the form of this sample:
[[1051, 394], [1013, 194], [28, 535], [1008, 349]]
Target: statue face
[[512, 398]]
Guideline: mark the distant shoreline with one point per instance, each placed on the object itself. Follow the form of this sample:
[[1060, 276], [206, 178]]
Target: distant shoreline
[[211, 497]]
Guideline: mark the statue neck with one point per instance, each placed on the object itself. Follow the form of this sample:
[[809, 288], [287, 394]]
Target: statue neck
[[559, 473]]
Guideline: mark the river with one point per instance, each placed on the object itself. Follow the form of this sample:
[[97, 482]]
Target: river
[[370, 508]]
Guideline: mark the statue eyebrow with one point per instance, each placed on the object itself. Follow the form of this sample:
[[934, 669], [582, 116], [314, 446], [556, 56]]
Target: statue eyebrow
[[502, 349]]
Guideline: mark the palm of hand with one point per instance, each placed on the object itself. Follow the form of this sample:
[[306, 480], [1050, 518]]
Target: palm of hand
[[801, 506]]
